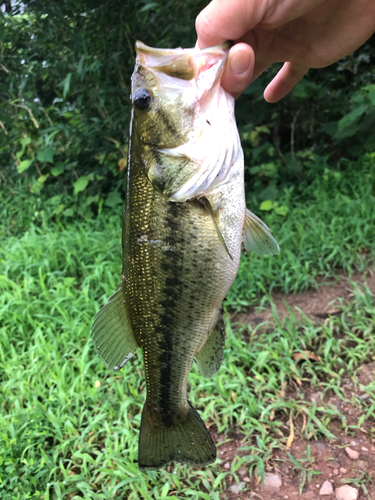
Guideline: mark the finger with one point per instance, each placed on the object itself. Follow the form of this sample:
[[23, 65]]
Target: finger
[[222, 20], [289, 75], [239, 70]]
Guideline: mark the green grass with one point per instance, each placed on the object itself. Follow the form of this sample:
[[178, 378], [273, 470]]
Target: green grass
[[330, 226], [69, 427]]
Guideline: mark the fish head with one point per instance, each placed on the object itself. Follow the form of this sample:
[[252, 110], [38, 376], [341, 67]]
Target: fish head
[[170, 89]]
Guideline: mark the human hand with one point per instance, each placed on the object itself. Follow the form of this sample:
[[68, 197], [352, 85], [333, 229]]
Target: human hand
[[301, 34]]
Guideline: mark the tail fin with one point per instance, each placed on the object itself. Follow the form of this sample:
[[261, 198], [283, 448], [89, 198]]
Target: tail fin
[[183, 438]]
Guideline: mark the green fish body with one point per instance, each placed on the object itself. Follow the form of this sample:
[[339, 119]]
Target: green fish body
[[183, 226]]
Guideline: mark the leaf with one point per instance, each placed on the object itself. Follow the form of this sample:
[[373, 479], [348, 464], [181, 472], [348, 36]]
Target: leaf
[[24, 165], [59, 209], [55, 200], [306, 354], [165, 490], [351, 118], [66, 84], [269, 193], [37, 186], [261, 471], [69, 212], [281, 210], [291, 435], [113, 199], [42, 179], [330, 128], [304, 89], [92, 199], [81, 184], [266, 205], [58, 169], [152, 5], [295, 462], [46, 155], [24, 142]]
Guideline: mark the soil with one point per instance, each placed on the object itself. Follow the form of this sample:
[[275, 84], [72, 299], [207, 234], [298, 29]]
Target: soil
[[329, 457], [316, 304]]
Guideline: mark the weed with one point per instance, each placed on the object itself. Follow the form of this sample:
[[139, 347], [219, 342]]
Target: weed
[[360, 482], [305, 466], [69, 427]]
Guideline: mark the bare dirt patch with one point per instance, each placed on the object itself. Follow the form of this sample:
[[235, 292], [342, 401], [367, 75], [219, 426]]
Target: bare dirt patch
[[347, 460], [316, 304], [329, 459]]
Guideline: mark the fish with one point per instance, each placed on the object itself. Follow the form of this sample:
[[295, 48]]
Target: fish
[[184, 223]]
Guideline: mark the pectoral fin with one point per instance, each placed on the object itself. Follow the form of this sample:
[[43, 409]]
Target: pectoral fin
[[112, 333], [257, 236], [209, 210], [211, 354]]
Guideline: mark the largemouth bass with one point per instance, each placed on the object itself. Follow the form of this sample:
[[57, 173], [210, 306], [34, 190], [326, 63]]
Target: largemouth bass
[[184, 222]]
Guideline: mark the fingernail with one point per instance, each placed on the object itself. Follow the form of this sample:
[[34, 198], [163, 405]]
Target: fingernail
[[240, 63]]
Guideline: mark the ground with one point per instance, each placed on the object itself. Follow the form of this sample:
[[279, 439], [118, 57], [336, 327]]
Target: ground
[[288, 398], [315, 461]]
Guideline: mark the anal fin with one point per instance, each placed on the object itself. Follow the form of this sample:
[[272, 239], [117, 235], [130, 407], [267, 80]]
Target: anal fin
[[112, 333], [211, 354]]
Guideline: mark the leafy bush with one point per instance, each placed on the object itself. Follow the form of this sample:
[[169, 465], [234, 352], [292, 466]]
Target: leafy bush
[[64, 90], [64, 107]]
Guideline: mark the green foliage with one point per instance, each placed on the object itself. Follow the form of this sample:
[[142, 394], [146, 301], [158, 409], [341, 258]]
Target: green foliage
[[64, 102], [360, 118], [64, 90], [69, 427], [328, 116], [305, 467], [327, 223]]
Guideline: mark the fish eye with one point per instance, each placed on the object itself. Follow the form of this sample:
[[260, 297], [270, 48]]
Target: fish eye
[[142, 99]]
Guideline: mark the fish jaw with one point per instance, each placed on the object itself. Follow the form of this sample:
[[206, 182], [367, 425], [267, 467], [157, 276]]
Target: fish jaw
[[198, 146], [197, 72], [185, 64], [181, 82]]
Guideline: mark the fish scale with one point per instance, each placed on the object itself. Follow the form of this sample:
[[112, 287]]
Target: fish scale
[[178, 287], [184, 222], [173, 282]]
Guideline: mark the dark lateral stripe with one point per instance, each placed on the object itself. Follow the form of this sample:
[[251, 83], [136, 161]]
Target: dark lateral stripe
[[172, 263]]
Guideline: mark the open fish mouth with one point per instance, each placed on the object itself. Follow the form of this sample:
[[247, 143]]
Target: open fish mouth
[[181, 63], [194, 73]]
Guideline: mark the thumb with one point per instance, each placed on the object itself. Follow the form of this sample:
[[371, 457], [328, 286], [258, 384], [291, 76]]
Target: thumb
[[239, 69]]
